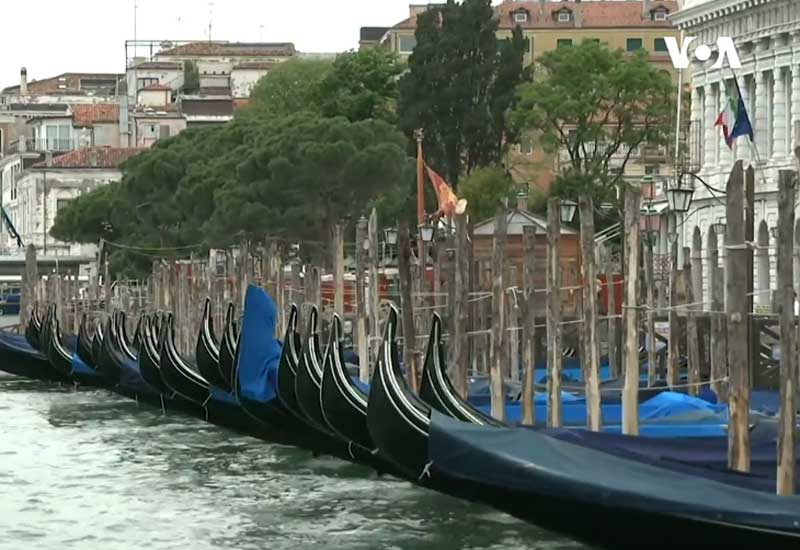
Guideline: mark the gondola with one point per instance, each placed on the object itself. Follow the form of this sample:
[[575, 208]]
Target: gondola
[[20, 358], [97, 343], [176, 374], [437, 390], [149, 358], [64, 360], [227, 348], [106, 356], [84, 345], [34, 328], [308, 379], [343, 404], [207, 351], [398, 421], [126, 344]]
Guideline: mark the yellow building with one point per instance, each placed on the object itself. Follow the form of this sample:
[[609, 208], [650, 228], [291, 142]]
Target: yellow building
[[629, 25]]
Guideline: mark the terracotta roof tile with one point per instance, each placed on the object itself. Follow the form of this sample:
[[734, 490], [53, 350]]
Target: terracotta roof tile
[[233, 49], [98, 157], [254, 66], [98, 113], [164, 65], [71, 83], [600, 14]]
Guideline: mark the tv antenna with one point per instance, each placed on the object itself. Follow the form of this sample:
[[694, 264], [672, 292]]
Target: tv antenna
[[210, 18]]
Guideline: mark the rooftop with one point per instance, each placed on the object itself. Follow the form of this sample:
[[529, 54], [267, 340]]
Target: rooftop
[[89, 115], [71, 83], [254, 66], [98, 157], [164, 65], [372, 34], [156, 88], [40, 107], [597, 14], [207, 108], [231, 49]]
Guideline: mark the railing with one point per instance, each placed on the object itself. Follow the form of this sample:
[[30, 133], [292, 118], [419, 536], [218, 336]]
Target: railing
[[41, 145]]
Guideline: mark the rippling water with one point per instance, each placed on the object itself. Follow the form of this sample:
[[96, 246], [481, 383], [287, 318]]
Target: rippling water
[[89, 470]]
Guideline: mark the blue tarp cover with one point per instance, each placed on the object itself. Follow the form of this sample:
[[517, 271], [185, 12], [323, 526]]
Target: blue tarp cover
[[542, 467], [131, 378], [259, 351], [218, 394], [79, 367], [18, 344]]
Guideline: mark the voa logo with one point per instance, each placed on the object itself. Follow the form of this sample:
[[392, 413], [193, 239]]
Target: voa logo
[[680, 55]]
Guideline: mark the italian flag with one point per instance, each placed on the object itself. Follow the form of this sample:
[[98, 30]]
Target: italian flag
[[734, 119]]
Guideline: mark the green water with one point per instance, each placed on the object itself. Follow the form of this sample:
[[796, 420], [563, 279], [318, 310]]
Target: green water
[[90, 470]]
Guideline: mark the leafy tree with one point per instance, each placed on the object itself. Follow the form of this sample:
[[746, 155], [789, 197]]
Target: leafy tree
[[486, 189], [191, 77], [291, 87], [460, 85], [362, 85], [292, 176], [596, 106]]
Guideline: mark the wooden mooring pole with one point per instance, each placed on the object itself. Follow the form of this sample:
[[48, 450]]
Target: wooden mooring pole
[[788, 367], [737, 263], [630, 313], [338, 268], [460, 344], [407, 304], [554, 358], [362, 339], [498, 349], [591, 359], [529, 325]]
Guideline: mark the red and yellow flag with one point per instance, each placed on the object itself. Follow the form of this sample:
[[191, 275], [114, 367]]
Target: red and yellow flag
[[449, 203]]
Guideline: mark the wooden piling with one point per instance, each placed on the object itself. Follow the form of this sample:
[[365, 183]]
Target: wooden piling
[[373, 299], [650, 291], [554, 358], [692, 338], [630, 313], [736, 256], [338, 268], [498, 359], [612, 323], [460, 294], [673, 349], [361, 317], [591, 356], [787, 465], [719, 359], [529, 324], [407, 304]]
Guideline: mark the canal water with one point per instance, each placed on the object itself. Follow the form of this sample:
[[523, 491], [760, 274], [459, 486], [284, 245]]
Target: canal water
[[85, 469]]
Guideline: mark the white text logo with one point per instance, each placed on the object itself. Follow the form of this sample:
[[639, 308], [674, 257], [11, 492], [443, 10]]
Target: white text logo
[[680, 55]]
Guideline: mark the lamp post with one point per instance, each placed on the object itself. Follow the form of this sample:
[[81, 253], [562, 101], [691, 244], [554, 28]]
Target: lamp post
[[679, 198], [568, 210], [426, 233]]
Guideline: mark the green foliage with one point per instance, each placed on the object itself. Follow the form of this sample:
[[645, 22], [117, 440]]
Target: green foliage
[[191, 77], [292, 176], [460, 85], [595, 105], [485, 190], [362, 85], [291, 87]]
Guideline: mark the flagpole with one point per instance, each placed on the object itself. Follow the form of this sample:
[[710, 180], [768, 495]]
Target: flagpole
[[419, 135]]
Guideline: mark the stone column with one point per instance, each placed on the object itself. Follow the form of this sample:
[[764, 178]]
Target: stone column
[[695, 125], [778, 114], [709, 117], [761, 114], [795, 107]]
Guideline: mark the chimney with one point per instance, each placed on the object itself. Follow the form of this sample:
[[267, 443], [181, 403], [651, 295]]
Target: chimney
[[577, 14], [93, 158], [23, 81], [522, 200], [645, 9]]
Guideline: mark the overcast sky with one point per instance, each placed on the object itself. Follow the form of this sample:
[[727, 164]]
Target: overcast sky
[[50, 37]]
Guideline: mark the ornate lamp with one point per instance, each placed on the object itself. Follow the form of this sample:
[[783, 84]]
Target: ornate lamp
[[650, 220], [390, 234], [679, 197], [426, 232], [568, 210], [720, 226]]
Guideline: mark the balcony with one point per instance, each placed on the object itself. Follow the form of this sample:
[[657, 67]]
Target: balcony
[[41, 145]]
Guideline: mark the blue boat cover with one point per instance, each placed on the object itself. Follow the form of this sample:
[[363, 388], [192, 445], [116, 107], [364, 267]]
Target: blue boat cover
[[222, 396], [79, 367], [538, 466], [259, 351], [131, 378], [18, 344]]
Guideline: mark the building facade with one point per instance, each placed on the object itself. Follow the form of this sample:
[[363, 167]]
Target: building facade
[[628, 25], [766, 34]]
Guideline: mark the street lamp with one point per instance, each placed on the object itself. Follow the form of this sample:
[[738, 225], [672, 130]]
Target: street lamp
[[679, 197], [648, 188], [426, 232], [568, 210], [650, 220], [774, 232], [720, 226], [390, 234]]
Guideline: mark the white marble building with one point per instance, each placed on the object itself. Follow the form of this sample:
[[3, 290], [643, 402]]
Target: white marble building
[[767, 36]]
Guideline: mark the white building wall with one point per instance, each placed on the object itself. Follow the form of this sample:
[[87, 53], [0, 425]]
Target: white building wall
[[767, 36], [244, 80]]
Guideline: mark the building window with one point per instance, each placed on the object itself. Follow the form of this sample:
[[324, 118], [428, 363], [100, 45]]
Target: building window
[[525, 146], [659, 15], [660, 45], [564, 16], [406, 44], [634, 44], [61, 204], [163, 131], [563, 42], [651, 170], [521, 17], [145, 82]]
